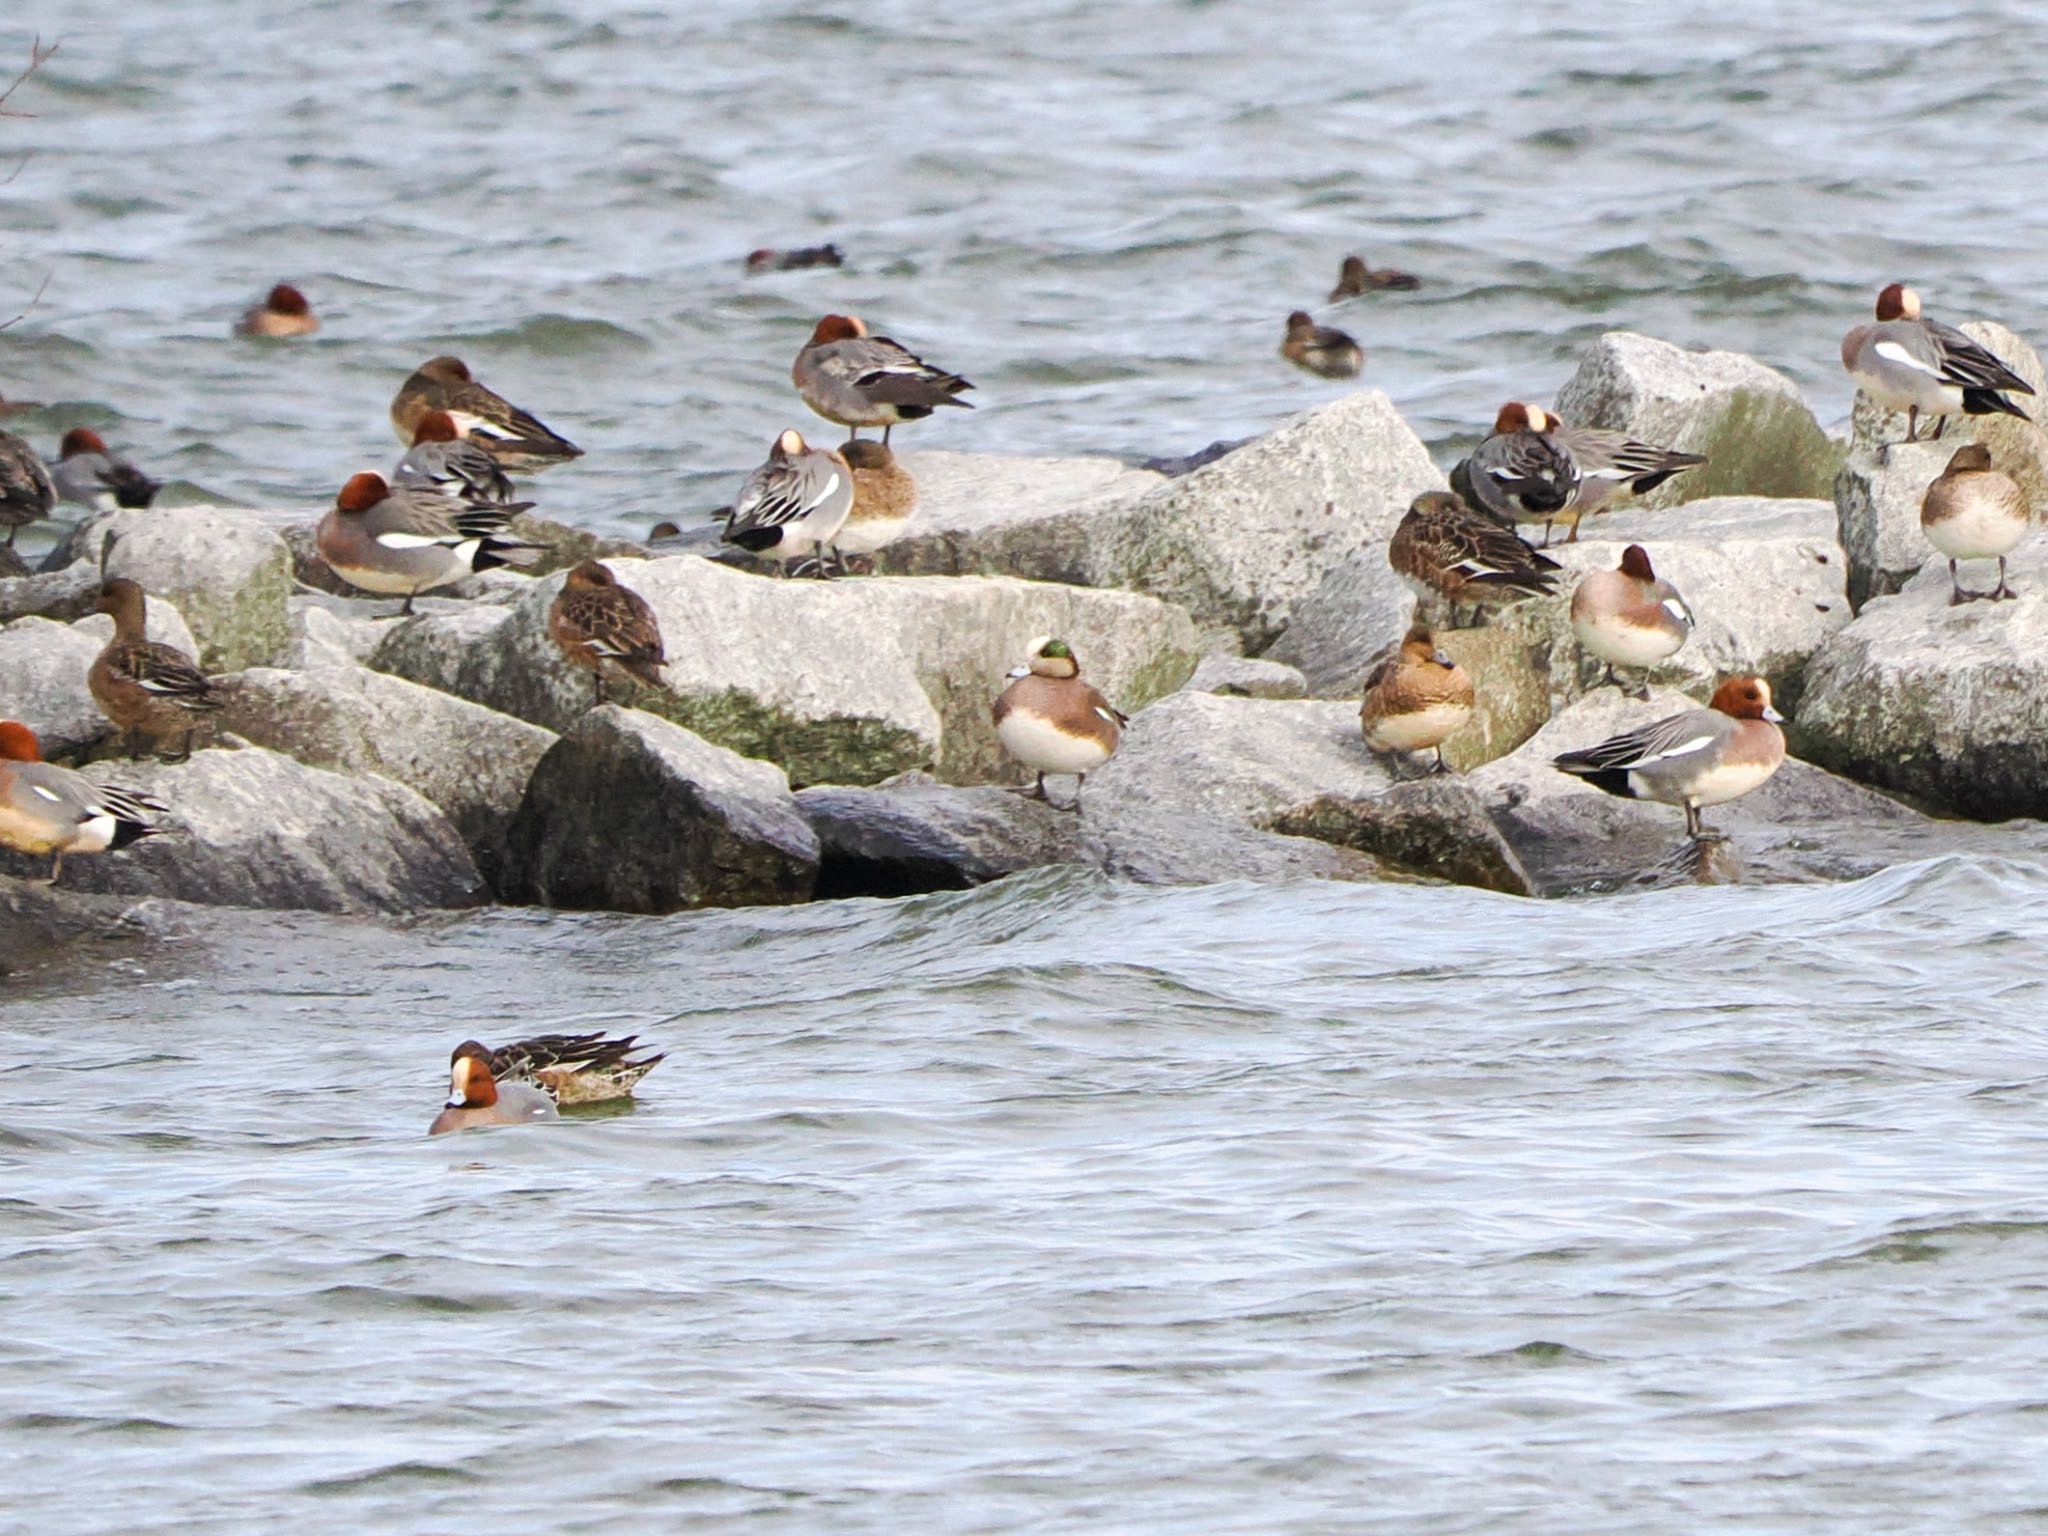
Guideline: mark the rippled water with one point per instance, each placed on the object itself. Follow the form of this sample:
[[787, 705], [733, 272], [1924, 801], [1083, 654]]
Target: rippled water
[[1055, 1206], [1098, 211]]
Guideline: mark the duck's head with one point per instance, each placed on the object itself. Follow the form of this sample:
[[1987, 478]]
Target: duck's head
[[1898, 302], [1052, 658], [1970, 456], [1635, 561], [470, 1084], [1746, 698], [284, 299], [362, 492], [445, 370], [838, 328], [435, 427], [590, 575], [18, 743], [80, 440]]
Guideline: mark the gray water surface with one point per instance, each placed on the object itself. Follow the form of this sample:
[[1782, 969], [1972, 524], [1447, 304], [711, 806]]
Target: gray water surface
[[1056, 1206]]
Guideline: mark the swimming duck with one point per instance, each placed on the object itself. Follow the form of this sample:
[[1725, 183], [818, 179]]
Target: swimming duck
[[1699, 758], [409, 539], [795, 504], [144, 686], [475, 1098], [1629, 616], [1416, 699], [1321, 349], [884, 496], [87, 474], [1973, 512], [283, 312], [861, 380], [1355, 277], [1612, 465], [573, 1069], [1520, 472], [517, 439], [47, 809], [1444, 548], [1052, 722], [594, 620], [767, 260], [27, 492], [440, 456], [1920, 366]]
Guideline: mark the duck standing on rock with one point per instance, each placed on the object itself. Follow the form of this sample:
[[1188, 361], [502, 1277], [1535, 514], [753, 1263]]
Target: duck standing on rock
[[1629, 617], [1444, 548], [1519, 472], [884, 496], [27, 493], [1611, 465], [1321, 349], [405, 540], [1052, 722], [441, 457], [284, 312], [1416, 699], [1699, 758], [145, 687], [1973, 512], [517, 439], [794, 505], [594, 620], [1354, 277], [1922, 367], [47, 809], [860, 380], [85, 473]]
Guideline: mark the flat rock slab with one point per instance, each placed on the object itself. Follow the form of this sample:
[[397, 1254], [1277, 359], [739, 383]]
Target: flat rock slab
[[630, 813], [253, 828], [913, 834], [1749, 420], [1948, 705], [846, 681]]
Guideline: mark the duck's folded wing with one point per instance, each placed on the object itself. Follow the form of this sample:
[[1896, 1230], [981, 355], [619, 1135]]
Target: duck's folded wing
[[1661, 741]]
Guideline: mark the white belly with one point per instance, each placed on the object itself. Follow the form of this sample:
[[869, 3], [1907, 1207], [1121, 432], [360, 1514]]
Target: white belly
[[388, 583], [869, 535], [1981, 532], [1419, 730], [1908, 389], [1039, 745], [1716, 786], [1628, 645]]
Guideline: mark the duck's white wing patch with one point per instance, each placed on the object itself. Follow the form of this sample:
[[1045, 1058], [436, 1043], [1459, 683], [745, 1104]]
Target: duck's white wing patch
[[1678, 749], [1893, 352], [411, 540], [48, 794], [1678, 611]]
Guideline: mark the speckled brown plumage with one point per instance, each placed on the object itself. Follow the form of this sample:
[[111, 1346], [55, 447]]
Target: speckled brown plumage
[[594, 620], [1446, 549], [145, 687]]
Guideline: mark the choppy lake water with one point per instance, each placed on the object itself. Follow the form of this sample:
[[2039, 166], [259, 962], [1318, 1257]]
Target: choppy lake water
[[1057, 1206]]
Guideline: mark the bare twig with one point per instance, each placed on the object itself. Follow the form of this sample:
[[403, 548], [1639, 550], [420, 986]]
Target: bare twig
[[38, 56], [32, 303]]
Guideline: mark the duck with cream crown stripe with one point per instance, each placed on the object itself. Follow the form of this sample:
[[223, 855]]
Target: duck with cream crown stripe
[[1052, 722], [475, 1098], [1693, 760], [1519, 472], [794, 505], [1922, 367]]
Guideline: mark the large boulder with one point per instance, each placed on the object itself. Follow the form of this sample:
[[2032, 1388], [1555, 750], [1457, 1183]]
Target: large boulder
[[225, 569], [1750, 421], [45, 926], [1209, 787], [1945, 704], [1805, 824], [1247, 677], [630, 813], [253, 828], [471, 762], [912, 834], [43, 667], [840, 682], [1357, 610], [70, 593]]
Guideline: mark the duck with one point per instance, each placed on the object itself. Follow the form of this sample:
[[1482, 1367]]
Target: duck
[[1444, 548], [1908, 363], [884, 496], [405, 540], [517, 439], [573, 1069], [1416, 699], [27, 493], [47, 809], [768, 260], [1695, 759], [144, 686], [475, 1097], [283, 312], [1974, 512], [1629, 616], [440, 456], [1520, 471], [1321, 349], [594, 620], [1355, 277], [857, 379], [85, 473], [794, 505], [1052, 722], [1612, 465]]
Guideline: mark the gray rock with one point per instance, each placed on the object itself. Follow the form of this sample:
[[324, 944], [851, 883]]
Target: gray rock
[[841, 682], [1805, 824], [66, 594], [1358, 609], [226, 570], [1246, 677], [253, 828], [1877, 507], [630, 813], [471, 762], [43, 668], [1436, 827], [1182, 464], [1757, 433], [1948, 705], [913, 834], [2017, 447], [44, 927], [328, 630], [12, 566]]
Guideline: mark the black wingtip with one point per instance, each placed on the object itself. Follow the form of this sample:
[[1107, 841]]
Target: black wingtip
[[1613, 780], [754, 540], [1989, 402]]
